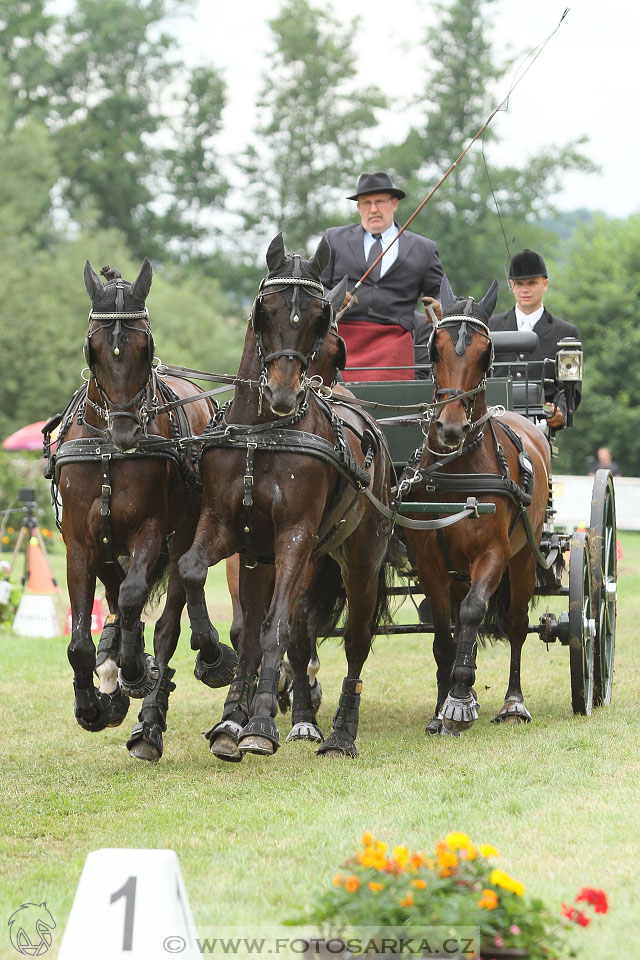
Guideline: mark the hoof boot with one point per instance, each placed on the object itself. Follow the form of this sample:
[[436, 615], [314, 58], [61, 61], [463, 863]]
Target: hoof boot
[[145, 742], [145, 684], [338, 745], [223, 739], [459, 713], [221, 672], [305, 731], [260, 735], [513, 711]]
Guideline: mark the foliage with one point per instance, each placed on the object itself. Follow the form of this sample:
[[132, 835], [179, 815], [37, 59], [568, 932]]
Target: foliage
[[312, 123], [597, 287], [461, 90], [457, 886]]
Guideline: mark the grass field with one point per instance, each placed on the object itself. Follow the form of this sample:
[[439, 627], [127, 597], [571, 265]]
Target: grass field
[[558, 798]]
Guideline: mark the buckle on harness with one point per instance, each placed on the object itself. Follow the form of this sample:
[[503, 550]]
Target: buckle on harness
[[472, 504]]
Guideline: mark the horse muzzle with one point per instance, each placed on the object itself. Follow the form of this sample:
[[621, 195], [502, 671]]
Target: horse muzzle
[[124, 432]]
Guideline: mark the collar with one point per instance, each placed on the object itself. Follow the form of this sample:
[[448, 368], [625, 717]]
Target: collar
[[527, 321]]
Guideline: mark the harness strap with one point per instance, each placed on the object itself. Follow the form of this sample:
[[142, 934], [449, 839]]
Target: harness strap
[[247, 504], [106, 532]]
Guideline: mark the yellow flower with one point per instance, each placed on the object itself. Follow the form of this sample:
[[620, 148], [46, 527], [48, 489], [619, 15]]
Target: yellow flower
[[5, 539], [418, 884], [376, 887], [430, 863], [380, 847], [401, 856], [337, 880], [367, 840], [489, 900], [486, 850], [447, 862], [456, 840], [501, 879], [351, 884], [372, 859], [407, 901]]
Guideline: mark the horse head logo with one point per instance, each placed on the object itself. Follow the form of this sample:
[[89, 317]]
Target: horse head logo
[[30, 929]]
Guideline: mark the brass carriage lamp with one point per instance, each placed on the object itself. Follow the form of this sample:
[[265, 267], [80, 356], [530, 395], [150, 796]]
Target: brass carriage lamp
[[569, 371]]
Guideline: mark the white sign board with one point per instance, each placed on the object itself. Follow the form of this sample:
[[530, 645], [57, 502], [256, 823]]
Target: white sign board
[[572, 501]]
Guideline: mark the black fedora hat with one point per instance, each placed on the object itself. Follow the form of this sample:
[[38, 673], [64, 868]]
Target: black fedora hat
[[376, 183], [526, 265]]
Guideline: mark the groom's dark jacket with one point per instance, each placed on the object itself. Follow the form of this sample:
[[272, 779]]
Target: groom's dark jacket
[[416, 272], [550, 331]]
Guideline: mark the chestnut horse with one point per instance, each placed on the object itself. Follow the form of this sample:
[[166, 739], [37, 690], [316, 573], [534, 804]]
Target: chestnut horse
[[495, 456], [282, 486], [130, 503]]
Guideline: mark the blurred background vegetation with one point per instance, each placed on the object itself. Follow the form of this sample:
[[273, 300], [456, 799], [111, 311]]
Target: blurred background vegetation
[[109, 151]]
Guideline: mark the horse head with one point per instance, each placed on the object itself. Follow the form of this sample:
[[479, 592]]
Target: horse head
[[119, 349], [291, 316], [461, 352]]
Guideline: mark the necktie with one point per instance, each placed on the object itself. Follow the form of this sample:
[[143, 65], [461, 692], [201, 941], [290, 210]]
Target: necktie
[[374, 252]]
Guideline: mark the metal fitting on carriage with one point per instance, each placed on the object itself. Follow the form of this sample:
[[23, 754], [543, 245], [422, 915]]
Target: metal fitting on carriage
[[569, 360]]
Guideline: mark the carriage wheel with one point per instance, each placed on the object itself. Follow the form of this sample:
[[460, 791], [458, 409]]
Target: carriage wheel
[[582, 626], [604, 564]]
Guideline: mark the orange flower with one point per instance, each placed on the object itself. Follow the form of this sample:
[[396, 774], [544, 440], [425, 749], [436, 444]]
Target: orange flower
[[367, 840], [447, 863], [418, 884], [351, 884], [489, 900], [408, 900], [416, 860], [337, 880], [375, 887]]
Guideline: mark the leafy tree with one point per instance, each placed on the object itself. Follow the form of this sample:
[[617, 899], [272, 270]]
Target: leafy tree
[[312, 117], [597, 287], [462, 89], [25, 54]]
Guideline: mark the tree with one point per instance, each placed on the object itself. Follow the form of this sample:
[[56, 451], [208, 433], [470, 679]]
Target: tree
[[312, 118], [462, 90], [597, 287]]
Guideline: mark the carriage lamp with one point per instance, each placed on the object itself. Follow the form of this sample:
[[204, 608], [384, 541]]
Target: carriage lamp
[[569, 360]]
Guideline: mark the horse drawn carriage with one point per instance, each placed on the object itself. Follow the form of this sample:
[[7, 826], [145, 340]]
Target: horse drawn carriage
[[296, 476]]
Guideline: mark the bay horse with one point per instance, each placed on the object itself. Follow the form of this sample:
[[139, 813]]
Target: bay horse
[[495, 456], [283, 486], [130, 503]]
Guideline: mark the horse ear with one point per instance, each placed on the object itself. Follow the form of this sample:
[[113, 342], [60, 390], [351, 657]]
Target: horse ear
[[92, 282], [447, 296], [337, 295], [275, 253], [488, 302], [142, 283], [321, 257]]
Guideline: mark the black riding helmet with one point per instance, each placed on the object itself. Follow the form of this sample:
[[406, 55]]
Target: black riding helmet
[[526, 265]]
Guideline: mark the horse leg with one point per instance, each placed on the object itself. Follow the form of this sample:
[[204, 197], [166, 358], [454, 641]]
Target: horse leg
[[522, 578], [260, 735], [255, 590], [303, 713], [460, 709], [108, 653], [145, 742], [92, 708], [363, 574], [216, 662], [443, 649], [139, 671], [233, 575]]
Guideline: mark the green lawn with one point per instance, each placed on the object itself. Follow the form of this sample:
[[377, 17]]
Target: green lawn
[[558, 798]]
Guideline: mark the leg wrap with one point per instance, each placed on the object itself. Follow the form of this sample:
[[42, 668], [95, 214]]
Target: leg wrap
[[109, 646], [302, 707], [268, 683], [132, 641], [240, 697], [200, 623], [345, 721], [154, 707]]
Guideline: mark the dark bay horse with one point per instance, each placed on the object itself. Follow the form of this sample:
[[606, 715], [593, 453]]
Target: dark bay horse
[[130, 503], [283, 482], [505, 458]]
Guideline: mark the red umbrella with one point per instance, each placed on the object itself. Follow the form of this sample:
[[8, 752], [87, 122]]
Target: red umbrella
[[27, 438]]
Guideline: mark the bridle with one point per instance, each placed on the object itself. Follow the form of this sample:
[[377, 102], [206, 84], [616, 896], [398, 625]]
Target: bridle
[[135, 409], [463, 340], [291, 288]]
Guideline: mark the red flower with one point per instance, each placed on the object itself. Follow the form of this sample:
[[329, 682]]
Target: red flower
[[576, 916], [597, 899]]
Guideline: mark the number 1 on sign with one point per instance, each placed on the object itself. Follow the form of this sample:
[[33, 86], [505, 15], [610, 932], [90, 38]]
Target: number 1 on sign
[[128, 891]]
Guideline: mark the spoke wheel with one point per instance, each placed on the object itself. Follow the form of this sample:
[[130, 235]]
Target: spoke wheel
[[604, 564], [582, 626]]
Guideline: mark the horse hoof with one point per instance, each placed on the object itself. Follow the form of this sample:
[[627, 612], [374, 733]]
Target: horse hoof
[[221, 672], [145, 742], [118, 707], [434, 726], [305, 731], [449, 732], [459, 713], [260, 735], [143, 685], [92, 709], [513, 711], [256, 744], [338, 745], [225, 747]]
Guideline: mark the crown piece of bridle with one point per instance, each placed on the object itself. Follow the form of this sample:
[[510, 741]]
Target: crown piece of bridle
[[136, 315]]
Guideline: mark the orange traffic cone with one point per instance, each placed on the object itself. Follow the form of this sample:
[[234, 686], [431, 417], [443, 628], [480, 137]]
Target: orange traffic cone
[[98, 617], [40, 576]]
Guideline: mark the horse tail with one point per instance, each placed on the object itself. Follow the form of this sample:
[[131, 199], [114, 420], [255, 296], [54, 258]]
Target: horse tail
[[159, 577], [494, 624], [324, 599]]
